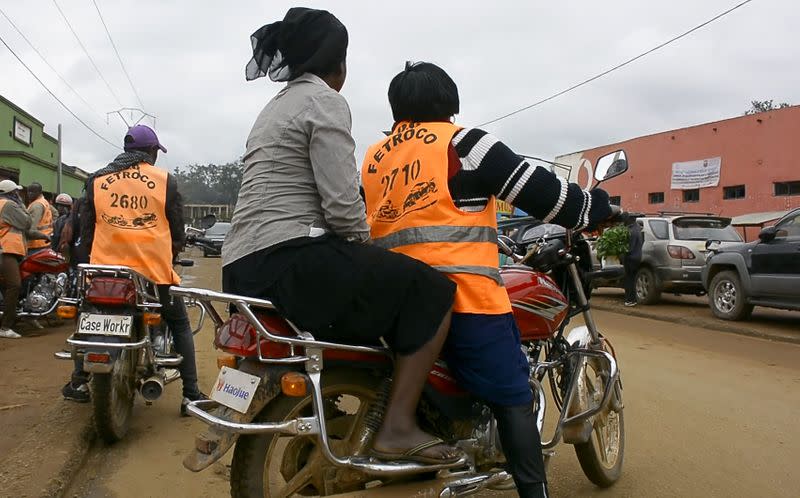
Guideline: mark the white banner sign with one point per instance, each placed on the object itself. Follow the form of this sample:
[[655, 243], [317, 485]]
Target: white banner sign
[[696, 174]]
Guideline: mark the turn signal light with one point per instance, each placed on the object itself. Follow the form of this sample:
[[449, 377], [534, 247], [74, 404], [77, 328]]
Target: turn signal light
[[152, 319], [294, 384], [680, 252], [67, 312], [98, 357], [226, 360]]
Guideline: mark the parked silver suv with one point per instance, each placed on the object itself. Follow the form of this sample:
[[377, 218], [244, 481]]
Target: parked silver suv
[[674, 253]]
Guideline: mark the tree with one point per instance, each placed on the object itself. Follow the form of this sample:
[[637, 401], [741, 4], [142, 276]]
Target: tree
[[210, 183], [764, 106]]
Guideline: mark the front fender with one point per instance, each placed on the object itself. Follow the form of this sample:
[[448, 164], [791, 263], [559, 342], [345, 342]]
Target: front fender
[[579, 337], [213, 443], [727, 259]]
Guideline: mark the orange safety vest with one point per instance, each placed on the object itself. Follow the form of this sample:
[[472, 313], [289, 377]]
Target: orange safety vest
[[11, 239], [131, 227], [45, 224], [410, 211]]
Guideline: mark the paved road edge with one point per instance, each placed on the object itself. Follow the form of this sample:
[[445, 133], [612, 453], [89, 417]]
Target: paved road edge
[[739, 328]]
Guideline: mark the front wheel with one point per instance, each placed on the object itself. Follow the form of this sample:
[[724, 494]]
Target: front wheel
[[647, 291], [602, 455], [278, 466], [112, 398], [727, 298]]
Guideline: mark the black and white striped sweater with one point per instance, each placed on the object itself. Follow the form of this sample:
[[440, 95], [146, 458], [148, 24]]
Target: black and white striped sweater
[[481, 166]]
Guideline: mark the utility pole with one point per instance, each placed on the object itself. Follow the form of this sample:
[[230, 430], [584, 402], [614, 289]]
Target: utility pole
[[58, 162], [132, 113]]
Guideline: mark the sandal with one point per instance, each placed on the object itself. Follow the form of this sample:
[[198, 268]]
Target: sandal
[[413, 454]]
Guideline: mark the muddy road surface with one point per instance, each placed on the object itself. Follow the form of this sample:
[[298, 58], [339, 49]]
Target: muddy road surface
[[707, 414]]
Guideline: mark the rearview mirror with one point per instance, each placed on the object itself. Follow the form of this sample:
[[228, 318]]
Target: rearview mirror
[[610, 165], [208, 221], [768, 234]]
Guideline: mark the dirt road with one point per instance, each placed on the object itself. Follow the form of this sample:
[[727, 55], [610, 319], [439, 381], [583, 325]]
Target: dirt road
[[707, 414]]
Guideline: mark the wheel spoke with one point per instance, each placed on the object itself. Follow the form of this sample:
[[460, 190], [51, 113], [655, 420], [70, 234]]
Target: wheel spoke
[[297, 482]]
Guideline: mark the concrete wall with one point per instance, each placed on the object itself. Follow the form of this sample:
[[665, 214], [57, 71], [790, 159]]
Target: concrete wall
[[756, 151]]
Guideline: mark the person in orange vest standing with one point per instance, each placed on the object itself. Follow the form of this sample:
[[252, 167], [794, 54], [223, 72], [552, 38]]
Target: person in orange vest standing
[[15, 227], [133, 216], [41, 216], [431, 189]]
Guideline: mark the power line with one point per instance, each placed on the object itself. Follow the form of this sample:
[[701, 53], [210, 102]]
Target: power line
[[101, 137], [63, 80], [63, 16], [114, 46], [618, 66]]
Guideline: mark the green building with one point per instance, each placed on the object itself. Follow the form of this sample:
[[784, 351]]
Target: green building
[[28, 154]]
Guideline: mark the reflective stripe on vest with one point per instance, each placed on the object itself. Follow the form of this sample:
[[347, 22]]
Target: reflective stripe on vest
[[410, 211], [45, 225], [11, 238], [420, 235], [131, 227]]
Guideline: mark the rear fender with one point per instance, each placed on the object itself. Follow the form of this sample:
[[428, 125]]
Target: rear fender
[[101, 368], [213, 443]]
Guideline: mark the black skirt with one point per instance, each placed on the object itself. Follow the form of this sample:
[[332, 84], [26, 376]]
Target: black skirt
[[347, 292]]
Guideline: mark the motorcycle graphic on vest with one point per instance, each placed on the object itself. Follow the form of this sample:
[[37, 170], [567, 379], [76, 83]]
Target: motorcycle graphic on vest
[[122, 341]]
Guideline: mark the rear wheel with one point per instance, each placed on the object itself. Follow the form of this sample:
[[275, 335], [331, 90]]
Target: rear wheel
[[727, 297], [602, 455], [647, 291], [277, 466], [112, 398]]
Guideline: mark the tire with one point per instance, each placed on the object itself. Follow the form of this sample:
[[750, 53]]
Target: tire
[[647, 290], [254, 455], [112, 399], [601, 457], [727, 298]]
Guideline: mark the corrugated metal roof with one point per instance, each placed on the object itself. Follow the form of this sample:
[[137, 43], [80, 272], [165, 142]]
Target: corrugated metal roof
[[758, 218]]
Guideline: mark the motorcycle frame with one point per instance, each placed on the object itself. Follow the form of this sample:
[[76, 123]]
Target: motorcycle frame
[[587, 345], [146, 300]]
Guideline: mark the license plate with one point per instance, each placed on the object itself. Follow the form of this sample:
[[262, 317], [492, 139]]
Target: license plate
[[235, 389], [116, 325]]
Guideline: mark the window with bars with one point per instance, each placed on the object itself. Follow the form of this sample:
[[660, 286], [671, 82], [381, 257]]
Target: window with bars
[[692, 195], [615, 200], [655, 197], [734, 192]]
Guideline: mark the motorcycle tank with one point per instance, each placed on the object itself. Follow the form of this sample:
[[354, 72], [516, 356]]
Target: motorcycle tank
[[538, 304], [44, 261]]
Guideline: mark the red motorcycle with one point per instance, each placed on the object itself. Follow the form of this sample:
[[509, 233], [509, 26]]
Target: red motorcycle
[[302, 413], [45, 279]]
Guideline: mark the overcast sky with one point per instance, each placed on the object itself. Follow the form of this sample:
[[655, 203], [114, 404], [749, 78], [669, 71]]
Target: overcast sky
[[187, 61]]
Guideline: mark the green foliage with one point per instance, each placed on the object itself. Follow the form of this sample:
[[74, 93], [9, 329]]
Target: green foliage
[[210, 183], [764, 106], [613, 242]]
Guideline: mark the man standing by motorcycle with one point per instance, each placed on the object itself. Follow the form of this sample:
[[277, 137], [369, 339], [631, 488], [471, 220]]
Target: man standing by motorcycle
[[430, 190], [63, 204], [127, 190], [41, 216], [15, 226]]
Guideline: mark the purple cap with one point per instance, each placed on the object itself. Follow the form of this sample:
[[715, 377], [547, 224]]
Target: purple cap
[[142, 137]]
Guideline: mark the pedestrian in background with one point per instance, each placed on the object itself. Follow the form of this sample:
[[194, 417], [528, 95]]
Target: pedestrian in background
[[41, 217], [632, 259], [63, 205], [15, 226]]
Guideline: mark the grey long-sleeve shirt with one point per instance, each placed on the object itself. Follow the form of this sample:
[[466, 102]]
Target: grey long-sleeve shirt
[[300, 172]]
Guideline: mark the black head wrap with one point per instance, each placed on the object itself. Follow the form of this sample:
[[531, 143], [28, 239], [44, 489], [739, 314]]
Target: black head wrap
[[306, 41]]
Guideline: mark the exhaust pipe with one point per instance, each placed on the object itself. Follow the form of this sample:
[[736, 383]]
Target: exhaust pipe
[[152, 388]]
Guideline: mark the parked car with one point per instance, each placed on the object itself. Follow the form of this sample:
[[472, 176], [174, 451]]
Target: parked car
[[674, 253], [215, 236], [765, 272]]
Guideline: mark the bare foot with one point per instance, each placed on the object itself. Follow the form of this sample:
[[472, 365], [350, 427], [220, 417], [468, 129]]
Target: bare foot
[[397, 443]]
